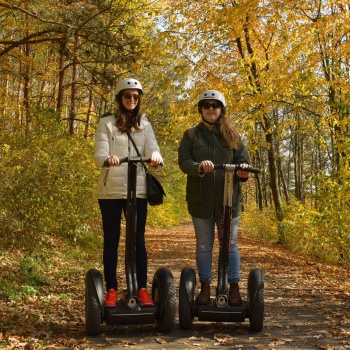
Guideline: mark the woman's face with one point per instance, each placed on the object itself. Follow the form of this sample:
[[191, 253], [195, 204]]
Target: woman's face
[[211, 110], [130, 98]]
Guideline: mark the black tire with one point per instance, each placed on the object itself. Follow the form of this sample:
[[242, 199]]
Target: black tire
[[256, 299], [186, 303], [93, 307], [166, 320]]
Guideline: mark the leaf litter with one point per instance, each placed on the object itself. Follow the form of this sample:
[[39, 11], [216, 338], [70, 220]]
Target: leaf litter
[[306, 304]]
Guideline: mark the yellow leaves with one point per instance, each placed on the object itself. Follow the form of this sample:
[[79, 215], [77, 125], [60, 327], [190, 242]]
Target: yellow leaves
[[5, 148], [277, 55]]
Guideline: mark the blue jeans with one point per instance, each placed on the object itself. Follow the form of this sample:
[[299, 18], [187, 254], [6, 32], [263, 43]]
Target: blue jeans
[[205, 231], [111, 211]]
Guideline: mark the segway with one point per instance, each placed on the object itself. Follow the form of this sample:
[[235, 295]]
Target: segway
[[218, 309], [128, 310]]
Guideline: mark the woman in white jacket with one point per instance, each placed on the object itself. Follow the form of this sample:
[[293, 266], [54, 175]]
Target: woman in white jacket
[[112, 143]]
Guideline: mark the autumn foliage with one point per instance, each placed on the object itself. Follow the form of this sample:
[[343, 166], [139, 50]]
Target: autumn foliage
[[282, 66]]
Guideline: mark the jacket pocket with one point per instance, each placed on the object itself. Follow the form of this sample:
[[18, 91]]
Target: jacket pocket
[[194, 190]]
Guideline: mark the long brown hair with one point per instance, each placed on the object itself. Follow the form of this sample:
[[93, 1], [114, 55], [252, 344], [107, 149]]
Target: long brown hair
[[226, 127], [229, 132], [126, 120]]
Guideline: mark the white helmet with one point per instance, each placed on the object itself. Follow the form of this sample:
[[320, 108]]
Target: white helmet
[[128, 84], [212, 95]]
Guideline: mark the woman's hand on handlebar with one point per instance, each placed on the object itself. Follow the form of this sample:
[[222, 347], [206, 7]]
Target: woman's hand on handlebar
[[155, 159], [113, 161], [241, 173], [206, 166]]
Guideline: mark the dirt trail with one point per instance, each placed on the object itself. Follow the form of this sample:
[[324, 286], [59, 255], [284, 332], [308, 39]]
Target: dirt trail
[[306, 303]]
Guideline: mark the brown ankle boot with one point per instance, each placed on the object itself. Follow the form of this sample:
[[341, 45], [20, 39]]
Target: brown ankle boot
[[234, 298], [203, 297]]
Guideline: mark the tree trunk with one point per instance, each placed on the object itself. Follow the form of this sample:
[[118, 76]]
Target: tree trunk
[[274, 180], [89, 114], [283, 182], [61, 69], [259, 189], [26, 77], [74, 89]]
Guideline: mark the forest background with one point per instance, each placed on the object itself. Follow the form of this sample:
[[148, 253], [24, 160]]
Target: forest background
[[284, 68]]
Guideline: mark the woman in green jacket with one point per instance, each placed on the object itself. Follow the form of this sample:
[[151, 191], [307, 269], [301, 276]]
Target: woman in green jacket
[[214, 140]]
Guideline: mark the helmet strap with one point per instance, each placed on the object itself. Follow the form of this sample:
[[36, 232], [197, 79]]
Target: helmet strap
[[213, 123], [210, 123]]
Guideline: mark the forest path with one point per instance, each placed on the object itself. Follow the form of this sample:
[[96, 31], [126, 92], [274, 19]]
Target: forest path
[[306, 303]]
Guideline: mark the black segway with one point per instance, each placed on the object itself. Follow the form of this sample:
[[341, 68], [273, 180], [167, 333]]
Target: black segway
[[219, 310], [128, 310]]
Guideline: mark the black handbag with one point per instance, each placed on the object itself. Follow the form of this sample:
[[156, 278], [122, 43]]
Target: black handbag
[[155, 190]]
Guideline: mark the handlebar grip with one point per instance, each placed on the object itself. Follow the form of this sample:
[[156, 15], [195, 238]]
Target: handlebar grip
[[237, 167], [249, 169], [121, 160], [126, 159]]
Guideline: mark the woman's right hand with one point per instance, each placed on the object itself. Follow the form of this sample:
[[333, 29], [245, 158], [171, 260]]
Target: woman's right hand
[[113, 161]]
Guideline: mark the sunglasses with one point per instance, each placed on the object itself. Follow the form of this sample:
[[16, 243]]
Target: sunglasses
[[207, 105], [128, 96]]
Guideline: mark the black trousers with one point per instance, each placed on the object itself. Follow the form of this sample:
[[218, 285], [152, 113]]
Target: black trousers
[[111, 211]]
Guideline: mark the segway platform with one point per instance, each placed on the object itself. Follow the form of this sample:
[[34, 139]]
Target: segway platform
[[218, 310], [122, 315], [128, 310], [213, 313]]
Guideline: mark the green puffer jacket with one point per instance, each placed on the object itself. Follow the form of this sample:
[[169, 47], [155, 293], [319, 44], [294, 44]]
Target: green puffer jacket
[[205, 194]]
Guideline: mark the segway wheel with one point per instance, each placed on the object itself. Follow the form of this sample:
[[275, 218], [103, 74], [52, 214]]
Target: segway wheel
[[164, 294], [186, 297], [256, 299], [93, 302]]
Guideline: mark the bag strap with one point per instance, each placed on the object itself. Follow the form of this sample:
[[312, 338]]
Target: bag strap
[[191, 133], [136, 149]]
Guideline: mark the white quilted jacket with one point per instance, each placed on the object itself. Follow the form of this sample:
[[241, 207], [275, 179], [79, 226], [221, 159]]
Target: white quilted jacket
[[109, 141]]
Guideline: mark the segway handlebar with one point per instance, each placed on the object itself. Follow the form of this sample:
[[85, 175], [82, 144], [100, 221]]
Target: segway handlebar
[[237, 167], [127, 159]]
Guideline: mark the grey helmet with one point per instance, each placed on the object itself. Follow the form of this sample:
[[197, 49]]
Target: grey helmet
[[212, 95]]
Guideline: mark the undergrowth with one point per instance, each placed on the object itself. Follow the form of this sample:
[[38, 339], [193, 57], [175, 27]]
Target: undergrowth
[[31, 271], [305, 230]]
